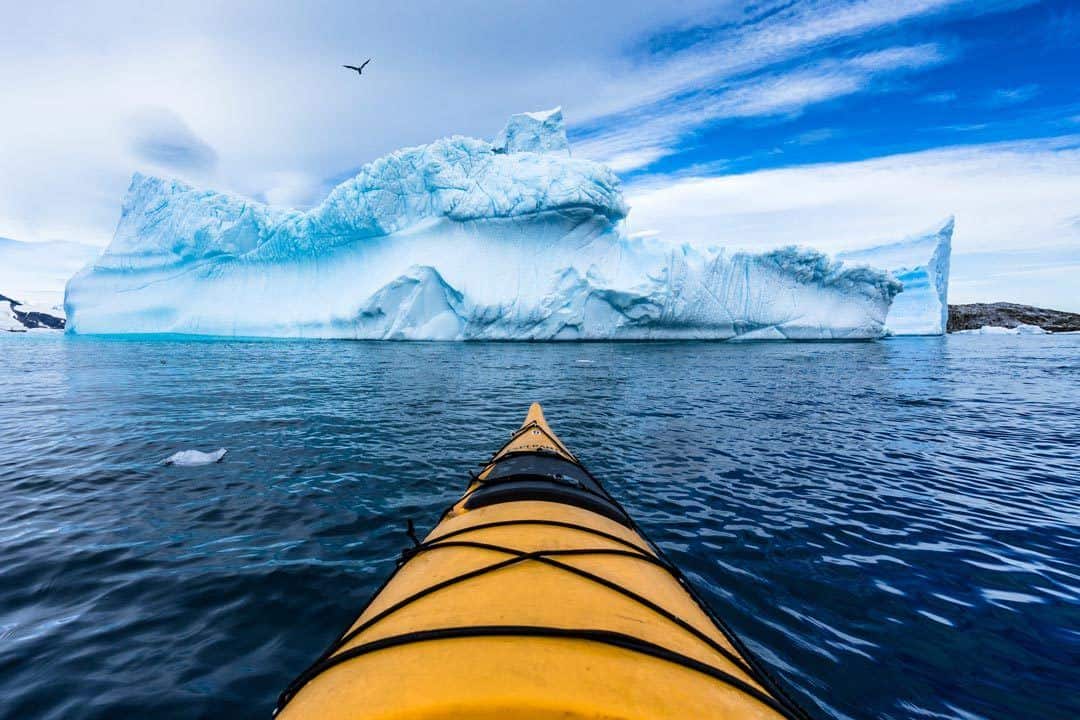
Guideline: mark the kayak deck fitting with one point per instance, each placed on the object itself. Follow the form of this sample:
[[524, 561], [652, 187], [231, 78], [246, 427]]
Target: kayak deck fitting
[[536, 596]]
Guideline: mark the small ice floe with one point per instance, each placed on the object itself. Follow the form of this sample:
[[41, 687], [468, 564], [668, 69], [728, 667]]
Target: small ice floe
[[995, 330], [190, 458]]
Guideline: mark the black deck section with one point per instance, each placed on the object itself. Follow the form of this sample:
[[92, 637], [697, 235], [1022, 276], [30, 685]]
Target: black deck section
[[539, 476]]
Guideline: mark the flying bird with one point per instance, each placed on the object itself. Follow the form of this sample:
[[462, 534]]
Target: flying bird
[[359, 70]]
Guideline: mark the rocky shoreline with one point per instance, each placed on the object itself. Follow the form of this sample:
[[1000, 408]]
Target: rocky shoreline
[[1010, 315], [26, 317]]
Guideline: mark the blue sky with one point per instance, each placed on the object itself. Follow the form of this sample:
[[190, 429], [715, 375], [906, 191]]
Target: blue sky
[[831, 123], [958, 73]]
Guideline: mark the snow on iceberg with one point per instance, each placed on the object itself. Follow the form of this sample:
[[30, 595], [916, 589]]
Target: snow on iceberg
[[459, 239], [922, 265], [534, 132]]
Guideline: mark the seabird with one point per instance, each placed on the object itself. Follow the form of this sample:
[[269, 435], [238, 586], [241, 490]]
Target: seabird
[[359, 70]]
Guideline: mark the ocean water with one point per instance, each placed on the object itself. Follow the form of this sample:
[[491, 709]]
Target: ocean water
[[892, 526]]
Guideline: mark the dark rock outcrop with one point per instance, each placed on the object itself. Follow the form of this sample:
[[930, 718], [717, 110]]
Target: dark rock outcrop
[[1009, 315], [33, 319]]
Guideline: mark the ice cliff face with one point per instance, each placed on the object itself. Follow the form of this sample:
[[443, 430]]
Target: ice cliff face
[[748, 297], [541, 132], [459, 239], [922, 265]]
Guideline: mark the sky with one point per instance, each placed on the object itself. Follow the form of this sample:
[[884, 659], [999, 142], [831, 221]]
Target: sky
[[833, 123]]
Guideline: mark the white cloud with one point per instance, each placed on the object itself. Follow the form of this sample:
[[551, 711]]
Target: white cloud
[[627, 158], [910, 57], [161, 137], [1049, 287], [784, 94], [813, 137], [1005, 196], [292, 190], [261, 84], [794, 30]]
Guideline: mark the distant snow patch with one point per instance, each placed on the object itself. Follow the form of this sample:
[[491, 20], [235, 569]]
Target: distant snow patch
[[994, 330], [8, 321]]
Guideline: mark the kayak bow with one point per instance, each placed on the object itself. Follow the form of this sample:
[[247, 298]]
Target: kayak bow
[[536, 596]]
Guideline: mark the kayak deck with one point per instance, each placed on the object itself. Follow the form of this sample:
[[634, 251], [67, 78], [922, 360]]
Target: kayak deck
[[536, 596]]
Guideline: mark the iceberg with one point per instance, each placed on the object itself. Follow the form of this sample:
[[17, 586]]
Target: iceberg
[[922, 264], [460, 239]]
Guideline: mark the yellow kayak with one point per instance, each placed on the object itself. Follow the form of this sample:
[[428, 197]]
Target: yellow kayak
[[536, 596]]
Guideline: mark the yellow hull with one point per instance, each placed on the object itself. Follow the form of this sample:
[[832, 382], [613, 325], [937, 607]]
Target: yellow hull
[[535, 597]]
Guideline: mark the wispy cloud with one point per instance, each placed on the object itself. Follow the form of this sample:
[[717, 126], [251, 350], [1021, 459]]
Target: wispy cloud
[[1013, 96], [796, 30], [161, 137], [638, 140], [1064, 26], [767, 66], [939, 98], [813, 137]]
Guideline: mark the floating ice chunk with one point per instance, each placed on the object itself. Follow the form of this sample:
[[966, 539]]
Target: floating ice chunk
[[191, 458], [995, 330], [921, 263]]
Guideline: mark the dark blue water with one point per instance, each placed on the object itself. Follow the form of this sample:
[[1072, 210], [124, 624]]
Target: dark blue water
[[893, 526]]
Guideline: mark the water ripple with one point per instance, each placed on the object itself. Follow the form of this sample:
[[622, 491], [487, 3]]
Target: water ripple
[[894, 527]]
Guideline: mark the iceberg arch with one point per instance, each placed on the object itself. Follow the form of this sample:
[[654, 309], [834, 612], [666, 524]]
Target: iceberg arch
[[921, 264]]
